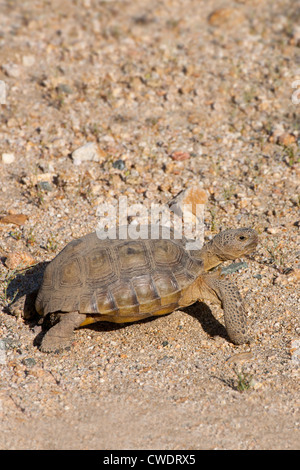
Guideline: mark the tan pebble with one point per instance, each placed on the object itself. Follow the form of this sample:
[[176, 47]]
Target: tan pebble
[[256, 203], [180, 156], [170, 167], [269, 148], [35, 179], [240, 357], [136, 83], [195, 119], [206, 344], [264, 105], [294, 275], [36, 372], [243, 203], [116, 181], [16, 219], [12, 122], [197, 130], [282, 280], [273, 230], [194, 196], [226, 16], [29, 145], [286, 139], [165, 187], [96, 189], [19, 259]]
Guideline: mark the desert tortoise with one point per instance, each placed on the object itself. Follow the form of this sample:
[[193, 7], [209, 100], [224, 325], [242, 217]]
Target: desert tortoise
[[128, 280]]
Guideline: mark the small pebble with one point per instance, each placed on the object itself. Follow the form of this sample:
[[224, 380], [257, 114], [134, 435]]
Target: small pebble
[[229, 17], [45, 185], [19, 259], [119, 164], [28, 361], [180, 156], [240, 357], [8, 158], [64, 88], [88, 152], [286, 139], [232, 268], [257, 276], [15, 219], [11, 70], [28, 60]]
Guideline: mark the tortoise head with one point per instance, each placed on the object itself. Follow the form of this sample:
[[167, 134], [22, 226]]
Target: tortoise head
[[232, 244]]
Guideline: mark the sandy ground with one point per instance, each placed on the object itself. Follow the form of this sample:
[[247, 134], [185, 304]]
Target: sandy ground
[[172, 94]]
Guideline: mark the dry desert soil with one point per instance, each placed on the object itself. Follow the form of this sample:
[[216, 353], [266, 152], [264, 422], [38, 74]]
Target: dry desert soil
[[168, 95]]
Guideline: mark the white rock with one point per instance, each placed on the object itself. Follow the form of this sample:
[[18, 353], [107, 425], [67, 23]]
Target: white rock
[[28, 60], [8, 158], [11, 70], [88, 152]]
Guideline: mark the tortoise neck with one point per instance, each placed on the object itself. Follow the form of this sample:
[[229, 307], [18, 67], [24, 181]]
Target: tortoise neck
[[209, 257]]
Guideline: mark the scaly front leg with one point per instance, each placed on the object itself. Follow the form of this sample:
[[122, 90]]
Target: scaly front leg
[[232, 304], [59, 336]]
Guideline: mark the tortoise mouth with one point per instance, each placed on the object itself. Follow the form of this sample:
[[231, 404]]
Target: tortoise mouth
[[251, 246]]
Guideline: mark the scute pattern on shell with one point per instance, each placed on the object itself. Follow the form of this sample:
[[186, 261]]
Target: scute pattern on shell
[[117, 278]]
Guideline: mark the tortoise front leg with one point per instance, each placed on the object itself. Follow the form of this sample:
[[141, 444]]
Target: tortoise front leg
[[59, 336], [232, 304]]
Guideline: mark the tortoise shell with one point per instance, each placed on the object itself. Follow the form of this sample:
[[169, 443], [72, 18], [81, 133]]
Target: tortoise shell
[[118, 280]]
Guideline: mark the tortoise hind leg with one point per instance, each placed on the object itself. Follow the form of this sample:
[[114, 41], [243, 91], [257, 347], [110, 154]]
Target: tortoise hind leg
[[234, 311], [60, 335]]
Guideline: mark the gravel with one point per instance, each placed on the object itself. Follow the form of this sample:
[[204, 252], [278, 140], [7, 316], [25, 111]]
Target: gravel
[[168, 95]]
